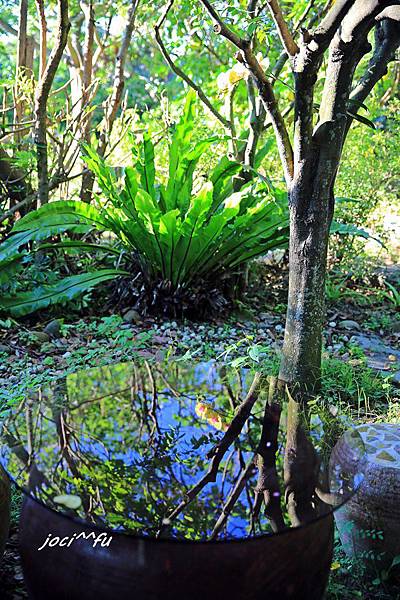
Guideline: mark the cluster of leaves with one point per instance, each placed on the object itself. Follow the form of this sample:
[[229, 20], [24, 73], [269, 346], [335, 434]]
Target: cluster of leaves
[[177, 234]]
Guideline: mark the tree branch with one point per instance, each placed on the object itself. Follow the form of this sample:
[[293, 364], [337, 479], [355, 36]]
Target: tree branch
[[271, 106], [21, 63], [246, 56], [178, 71], [387, 40], [86, 81], [325, 31], [287, 40], [232, 498], [346, 50], [114, 102], [221, 28], [43, 36], [54, 183], [280, 63], [256, 123], [41, 97]]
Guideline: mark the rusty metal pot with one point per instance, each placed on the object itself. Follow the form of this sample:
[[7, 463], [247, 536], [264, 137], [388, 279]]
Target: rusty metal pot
[[292, 564]]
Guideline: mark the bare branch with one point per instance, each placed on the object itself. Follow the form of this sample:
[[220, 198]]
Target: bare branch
[[21, 62], [233, 497], [280, 63], [256, 122], [7, 28], [88, 48], [271, 106], [178, 71], [287, 40], [54, 183], [86, 80], [119, 78], [346, 50], [43, 36], [324, 33], [41, 97], [74, 53]]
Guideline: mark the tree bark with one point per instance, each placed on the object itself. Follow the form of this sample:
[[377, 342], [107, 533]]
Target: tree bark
[[317, 157], [309, 228]]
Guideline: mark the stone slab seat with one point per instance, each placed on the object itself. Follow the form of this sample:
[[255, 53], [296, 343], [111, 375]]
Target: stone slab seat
[[369, 524]]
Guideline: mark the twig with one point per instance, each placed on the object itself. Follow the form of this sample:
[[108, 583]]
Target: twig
[[114, 102], [153, 409]]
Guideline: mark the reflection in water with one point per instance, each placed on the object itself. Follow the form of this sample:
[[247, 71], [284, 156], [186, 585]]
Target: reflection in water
[[171, 450]]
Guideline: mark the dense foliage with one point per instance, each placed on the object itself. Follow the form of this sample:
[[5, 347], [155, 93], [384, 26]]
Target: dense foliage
[[177, 235]]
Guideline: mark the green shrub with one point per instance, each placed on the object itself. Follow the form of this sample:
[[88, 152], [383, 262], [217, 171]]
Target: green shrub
[[181, 232]]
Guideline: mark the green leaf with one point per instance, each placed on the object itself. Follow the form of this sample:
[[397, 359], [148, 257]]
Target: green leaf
[[221, 178], [63, 212], [361, 119], [104, 174], [348, 229], [77, 245], [254, 353], [146, 166], [41, 297], [169, 232], [9, 249], [8, 269], [395, 561], [178, 235], [262, 152]]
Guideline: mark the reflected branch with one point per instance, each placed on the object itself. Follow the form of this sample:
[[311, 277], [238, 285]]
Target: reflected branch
[[233, 497], [268, 481], [218, 451]]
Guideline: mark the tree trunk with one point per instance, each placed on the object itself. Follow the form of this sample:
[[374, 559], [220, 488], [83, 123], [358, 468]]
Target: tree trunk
[[20, 70], [309, 227]]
